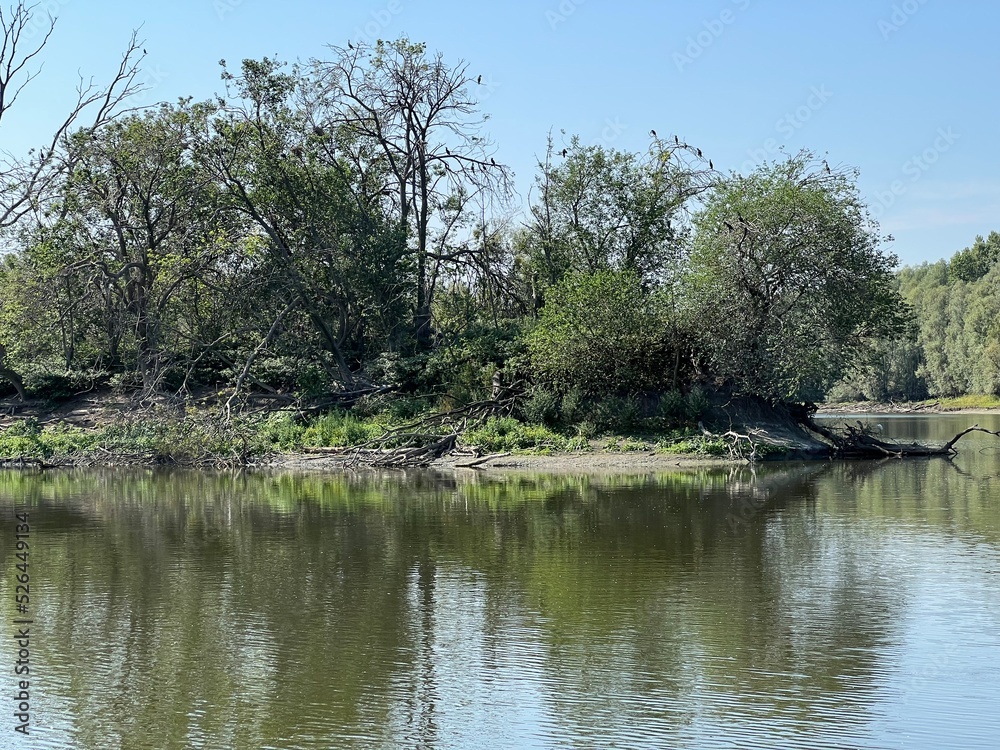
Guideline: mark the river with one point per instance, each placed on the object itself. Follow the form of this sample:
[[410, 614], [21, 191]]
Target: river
[[804, 605]]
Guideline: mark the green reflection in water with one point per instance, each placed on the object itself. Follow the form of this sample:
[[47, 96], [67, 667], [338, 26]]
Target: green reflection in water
[[424, 610]]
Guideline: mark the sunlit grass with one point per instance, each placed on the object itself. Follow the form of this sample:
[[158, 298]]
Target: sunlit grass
[[967, 402]]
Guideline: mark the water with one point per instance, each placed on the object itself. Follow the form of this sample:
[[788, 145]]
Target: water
[[810, 605]]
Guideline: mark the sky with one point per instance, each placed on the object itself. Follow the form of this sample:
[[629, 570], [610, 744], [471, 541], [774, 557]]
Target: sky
[[905, 91]]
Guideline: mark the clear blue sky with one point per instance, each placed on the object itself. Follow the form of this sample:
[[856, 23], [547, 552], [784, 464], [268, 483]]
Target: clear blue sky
[[905, 91]]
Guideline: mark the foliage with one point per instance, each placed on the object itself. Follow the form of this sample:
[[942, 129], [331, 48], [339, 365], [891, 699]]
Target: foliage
[[509, 435], [601, 209], [602, 333], [787, 282]]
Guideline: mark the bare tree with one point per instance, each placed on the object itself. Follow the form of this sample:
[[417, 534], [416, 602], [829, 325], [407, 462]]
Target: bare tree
[[417, 118], [27, 181]]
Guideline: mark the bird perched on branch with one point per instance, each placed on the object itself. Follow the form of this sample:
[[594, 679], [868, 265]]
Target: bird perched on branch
[[564, 152], [652, 133], [479, 80]]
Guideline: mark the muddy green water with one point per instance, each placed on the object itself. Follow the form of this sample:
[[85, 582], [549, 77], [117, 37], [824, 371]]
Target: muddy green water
[[810, 605]]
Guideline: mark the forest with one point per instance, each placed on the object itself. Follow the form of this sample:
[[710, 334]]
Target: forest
[[342, 237], [951, 345]]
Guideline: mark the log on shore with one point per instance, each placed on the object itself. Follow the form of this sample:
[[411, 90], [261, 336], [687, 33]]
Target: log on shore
[[859, 442]]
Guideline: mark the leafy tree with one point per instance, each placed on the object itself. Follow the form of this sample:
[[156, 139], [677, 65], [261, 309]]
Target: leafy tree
[[974, 262], [603, 333], [600, 209], [413, 120], [787, 285], [321, 218], [27, 184], [143, 217]]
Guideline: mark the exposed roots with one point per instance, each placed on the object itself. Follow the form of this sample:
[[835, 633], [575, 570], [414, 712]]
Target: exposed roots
[[860, 442]]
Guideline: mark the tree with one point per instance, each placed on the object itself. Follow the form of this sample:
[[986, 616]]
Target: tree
[[603, 333], [27, 182], [787, 284], [143, 217], [602, 209], [974, 262], [321, 217], [412, 120]]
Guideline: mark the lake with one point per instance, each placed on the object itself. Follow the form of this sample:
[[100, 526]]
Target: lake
[[803, 605]]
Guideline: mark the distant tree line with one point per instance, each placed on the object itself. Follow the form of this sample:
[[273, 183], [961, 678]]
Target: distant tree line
[[951, 346]]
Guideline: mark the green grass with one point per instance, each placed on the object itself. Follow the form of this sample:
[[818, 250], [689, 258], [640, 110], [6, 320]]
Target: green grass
[[506, 434], [971, 401], [192, 437]]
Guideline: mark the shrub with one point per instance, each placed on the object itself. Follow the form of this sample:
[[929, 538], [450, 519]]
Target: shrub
[[614, 414], [339, 428], [541, 407], [602, 333], [508, 434]]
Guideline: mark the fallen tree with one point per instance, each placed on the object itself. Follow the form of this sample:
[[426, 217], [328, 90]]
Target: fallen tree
[[755, 429], [860, 442]]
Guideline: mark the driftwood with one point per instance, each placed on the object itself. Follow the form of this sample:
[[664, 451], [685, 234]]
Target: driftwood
[[480, 461], [421, 442], [861, 442]]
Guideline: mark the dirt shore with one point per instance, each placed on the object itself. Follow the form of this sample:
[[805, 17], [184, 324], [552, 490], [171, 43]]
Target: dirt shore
[[582, 462]]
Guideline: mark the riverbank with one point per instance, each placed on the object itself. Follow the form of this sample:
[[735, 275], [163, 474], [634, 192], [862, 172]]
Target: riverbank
[[577, 462], [955, 405], [105, 429], [108, 429]]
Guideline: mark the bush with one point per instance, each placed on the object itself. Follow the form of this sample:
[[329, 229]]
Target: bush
[[506, 434], [541, 407], [614, 414], [48, 384], [340, 429], [698, 404], [26, 438], [602, 333]]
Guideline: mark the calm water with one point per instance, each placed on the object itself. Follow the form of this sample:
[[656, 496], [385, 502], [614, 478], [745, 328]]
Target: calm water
[[798, 606]]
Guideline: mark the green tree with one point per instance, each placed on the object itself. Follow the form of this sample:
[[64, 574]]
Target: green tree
[[603, 333], [599, 209], [787, 284], [974, 262], [142, 221], [320, 217], [412, 120]]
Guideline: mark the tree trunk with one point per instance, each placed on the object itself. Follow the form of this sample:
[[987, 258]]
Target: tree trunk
[[10, 375]]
